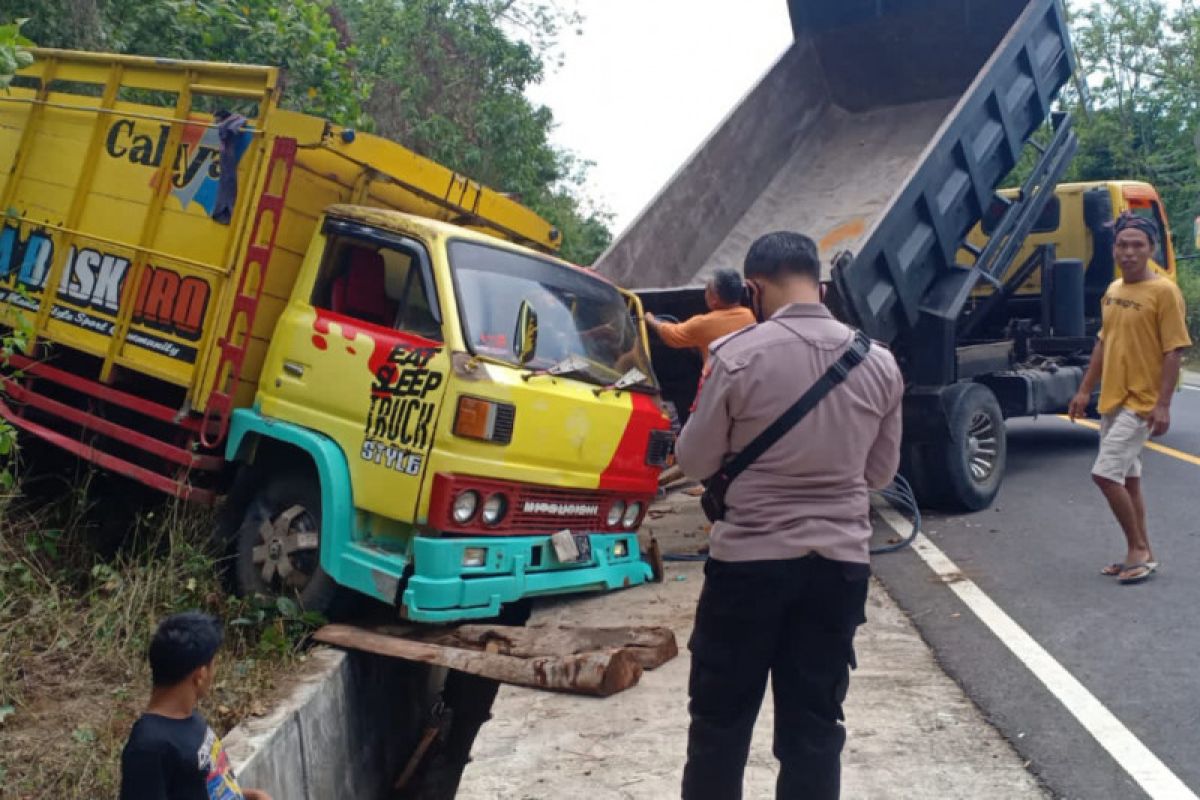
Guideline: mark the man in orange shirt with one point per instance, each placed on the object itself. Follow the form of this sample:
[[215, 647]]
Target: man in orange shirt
[[726, 315], [1136, 361]]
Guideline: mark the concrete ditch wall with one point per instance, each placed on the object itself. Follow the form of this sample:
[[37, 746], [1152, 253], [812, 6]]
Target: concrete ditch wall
[[345, 730]]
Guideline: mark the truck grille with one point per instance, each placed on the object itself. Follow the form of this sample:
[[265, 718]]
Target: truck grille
[[552, 510], [658, 451]]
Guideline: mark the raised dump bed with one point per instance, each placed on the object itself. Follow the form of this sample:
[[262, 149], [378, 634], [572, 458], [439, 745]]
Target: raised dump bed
[[883, 132]]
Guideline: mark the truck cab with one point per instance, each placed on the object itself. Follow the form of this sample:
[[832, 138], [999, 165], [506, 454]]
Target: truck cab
[[1077, 222], [475, 398], [373, 364]]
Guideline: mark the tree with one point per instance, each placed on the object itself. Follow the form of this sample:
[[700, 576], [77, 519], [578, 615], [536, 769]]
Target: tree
[[1141, 62], [449, 81], [299, 36], [446, 78]]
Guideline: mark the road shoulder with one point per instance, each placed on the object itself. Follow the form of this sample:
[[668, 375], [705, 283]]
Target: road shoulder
[[912, 731]]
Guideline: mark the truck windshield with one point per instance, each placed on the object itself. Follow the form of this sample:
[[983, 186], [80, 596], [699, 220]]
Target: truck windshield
[[579, 318]]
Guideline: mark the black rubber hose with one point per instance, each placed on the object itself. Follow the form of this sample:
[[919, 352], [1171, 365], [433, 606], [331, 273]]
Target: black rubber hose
[[900, 495]]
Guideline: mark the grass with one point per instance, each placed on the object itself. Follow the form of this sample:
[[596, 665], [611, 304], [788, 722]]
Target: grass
[[75, 622]]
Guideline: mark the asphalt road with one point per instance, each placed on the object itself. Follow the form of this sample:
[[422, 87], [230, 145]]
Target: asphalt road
[[1037, 554]]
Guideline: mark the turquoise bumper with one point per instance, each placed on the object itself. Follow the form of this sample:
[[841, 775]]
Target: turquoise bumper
[[443, 589]]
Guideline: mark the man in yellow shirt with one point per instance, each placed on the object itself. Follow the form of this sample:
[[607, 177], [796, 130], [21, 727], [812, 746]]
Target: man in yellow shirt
[[1136, 361], [726, 315]]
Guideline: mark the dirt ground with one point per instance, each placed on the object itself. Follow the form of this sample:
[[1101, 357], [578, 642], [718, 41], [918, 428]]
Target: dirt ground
[[912, 732]]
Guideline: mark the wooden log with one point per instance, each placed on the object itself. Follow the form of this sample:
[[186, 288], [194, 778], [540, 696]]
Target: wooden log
[[652, 647], [598, 673], [658, 570]]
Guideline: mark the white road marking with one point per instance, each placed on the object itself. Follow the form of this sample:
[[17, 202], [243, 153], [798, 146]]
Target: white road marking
[[1191, 388], [1134, 757]]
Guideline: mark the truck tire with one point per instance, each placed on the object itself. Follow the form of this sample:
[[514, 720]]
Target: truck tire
[[278, 545], [972, 457]]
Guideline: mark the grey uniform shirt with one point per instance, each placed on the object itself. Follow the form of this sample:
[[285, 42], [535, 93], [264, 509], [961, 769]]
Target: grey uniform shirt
[[810, 491]]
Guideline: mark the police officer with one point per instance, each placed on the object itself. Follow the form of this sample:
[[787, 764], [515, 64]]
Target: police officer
[[786, 583]]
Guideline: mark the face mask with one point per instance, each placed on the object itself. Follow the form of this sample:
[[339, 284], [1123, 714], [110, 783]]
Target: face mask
[[754, 295]]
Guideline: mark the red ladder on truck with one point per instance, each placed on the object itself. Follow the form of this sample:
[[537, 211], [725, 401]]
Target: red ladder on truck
[[236, 340]]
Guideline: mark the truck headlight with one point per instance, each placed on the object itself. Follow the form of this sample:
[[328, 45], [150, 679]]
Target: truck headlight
[[631, 515], [464, 506], [474, 557], [494, 509], [615, 512]]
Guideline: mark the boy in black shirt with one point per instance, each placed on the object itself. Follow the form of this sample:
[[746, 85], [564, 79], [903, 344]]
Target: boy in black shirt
[[171, 753]]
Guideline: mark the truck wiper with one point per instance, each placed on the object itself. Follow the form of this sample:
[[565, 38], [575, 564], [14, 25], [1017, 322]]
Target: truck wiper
[[572, 364], [633, 377]]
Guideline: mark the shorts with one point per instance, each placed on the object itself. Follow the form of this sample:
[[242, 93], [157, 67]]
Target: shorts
[[1123, 434]]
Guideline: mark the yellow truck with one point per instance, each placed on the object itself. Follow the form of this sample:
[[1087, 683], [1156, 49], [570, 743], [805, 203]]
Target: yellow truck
[[1078, 221], [378, 362]]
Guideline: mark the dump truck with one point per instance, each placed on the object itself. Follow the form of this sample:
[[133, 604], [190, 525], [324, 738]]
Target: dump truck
[[377, 363], [884, 132]]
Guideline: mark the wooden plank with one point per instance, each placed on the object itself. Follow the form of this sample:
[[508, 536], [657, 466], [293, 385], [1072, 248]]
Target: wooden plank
[[597, 673], [652, 647]]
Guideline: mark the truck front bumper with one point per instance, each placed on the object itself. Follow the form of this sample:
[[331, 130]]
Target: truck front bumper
[[470, 578]]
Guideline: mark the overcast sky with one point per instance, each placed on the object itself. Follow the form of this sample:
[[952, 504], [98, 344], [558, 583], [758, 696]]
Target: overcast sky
[[649, 79]]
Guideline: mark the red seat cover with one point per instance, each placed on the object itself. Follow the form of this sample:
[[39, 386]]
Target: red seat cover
[[361, 291]]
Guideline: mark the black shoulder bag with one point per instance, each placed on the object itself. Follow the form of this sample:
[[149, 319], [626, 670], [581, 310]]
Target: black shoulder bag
[[713, 499]]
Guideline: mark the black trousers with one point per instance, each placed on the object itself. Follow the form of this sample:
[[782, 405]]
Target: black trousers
[[794, 620]]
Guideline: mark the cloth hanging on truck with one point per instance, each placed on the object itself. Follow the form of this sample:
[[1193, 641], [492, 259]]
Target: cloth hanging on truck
[[228, 127]]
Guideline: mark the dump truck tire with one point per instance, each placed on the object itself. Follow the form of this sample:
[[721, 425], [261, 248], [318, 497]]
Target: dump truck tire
[[278, 545], [972, 458]]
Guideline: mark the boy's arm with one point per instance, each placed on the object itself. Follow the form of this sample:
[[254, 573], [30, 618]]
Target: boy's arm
[[255, 794]]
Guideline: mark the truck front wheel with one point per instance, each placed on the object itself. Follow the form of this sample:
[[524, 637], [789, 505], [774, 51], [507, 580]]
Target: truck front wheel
[[975, 453], [278, 544], [963, 469]]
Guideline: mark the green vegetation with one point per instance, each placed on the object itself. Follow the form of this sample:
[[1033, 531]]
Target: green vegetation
[[75, 622], [444, 77], [1141, 59]]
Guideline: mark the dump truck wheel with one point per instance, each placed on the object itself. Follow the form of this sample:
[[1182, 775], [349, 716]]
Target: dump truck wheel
[[278, 545], [973, 457]]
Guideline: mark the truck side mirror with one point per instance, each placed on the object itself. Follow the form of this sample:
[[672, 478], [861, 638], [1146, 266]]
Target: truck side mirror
[[526, 336]]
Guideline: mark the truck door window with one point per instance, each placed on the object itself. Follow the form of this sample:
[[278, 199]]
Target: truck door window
[[378, 284]]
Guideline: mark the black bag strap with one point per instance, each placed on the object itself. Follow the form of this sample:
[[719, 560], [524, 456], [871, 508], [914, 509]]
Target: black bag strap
[[851, 358]]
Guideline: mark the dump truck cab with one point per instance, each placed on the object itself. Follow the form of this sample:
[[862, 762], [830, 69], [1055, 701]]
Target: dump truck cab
[[1078, 220], [1076, 226], [483, 397]]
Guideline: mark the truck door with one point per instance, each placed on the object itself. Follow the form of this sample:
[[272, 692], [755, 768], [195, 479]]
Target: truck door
[[365, 363]]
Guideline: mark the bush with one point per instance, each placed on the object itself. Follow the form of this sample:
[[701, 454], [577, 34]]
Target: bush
[[1189, 283], [75, 625]]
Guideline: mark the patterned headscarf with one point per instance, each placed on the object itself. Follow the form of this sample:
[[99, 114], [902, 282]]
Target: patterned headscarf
[[1130, 220]]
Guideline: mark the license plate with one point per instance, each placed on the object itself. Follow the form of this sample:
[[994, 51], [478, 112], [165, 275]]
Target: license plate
[[572, 548], [583, 543]]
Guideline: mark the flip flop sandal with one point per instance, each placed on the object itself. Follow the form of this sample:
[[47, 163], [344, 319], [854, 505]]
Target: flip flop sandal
[[1114, 569], [1148, 568]]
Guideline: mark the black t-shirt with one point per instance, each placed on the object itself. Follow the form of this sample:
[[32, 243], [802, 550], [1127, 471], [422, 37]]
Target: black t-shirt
[[176, 759]]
